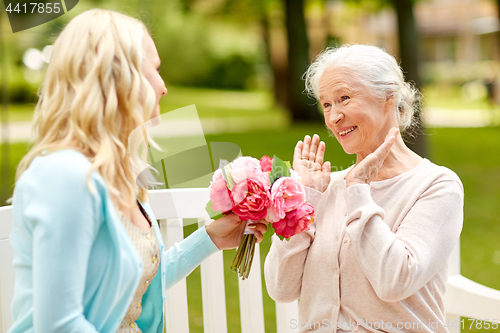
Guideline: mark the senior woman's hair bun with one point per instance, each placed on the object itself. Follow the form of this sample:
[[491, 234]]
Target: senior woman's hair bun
[[408, 107], [376, 70]]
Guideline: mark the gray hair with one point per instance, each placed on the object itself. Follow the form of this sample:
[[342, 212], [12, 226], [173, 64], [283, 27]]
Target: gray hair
[[373, 68]]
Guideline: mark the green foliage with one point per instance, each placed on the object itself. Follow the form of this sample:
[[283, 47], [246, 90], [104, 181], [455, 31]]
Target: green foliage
[[372, 6], [279, 169], [20, 92], [11, 154], [198, 51], [232, 72], [270, 231]]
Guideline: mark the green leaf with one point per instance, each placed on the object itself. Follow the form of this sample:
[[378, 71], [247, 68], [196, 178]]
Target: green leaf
[[283, 238], [214, 215], [269, 232], [279, 169]]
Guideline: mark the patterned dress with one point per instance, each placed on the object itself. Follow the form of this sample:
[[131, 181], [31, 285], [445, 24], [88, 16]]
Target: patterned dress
[[147, 246]]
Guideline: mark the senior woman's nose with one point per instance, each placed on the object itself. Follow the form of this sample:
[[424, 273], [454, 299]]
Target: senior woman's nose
[[336, 117]]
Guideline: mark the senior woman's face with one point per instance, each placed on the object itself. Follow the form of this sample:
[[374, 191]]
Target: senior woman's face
[[358, 120], [150, 68]]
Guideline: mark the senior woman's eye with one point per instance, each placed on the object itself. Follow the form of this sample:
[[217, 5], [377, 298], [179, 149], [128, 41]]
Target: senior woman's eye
[[326, 105], [344, 98]]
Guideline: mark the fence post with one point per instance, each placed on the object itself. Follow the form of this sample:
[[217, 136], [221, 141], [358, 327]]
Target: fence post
[[213, 291], [176, 307]]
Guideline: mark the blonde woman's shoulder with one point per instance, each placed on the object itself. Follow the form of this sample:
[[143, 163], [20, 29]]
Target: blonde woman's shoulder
[[59, 162], [62, 169]]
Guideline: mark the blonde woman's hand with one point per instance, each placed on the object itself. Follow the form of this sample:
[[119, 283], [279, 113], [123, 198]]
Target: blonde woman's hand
[[368, 168], [227, 231], [308, 161]]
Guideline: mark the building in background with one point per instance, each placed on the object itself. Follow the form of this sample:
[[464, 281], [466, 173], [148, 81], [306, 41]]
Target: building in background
[[459, 38]]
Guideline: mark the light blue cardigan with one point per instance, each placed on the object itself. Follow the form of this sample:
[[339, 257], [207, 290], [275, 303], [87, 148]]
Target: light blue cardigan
[[76, 268]]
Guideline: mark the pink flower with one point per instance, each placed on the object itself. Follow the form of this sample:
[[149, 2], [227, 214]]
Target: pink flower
[[287, 194], [266, 163], [250, 200], [245, 167], [219, 193], [295, 222]]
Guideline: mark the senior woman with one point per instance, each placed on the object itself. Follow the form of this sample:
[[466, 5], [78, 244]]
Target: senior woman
[[375, 260], [87, 248]]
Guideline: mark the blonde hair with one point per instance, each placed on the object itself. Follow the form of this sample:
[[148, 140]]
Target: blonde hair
[[93, 96]]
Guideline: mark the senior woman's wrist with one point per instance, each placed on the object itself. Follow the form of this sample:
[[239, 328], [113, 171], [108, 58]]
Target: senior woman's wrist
[[313, 195], [357, 196], [354, 177]]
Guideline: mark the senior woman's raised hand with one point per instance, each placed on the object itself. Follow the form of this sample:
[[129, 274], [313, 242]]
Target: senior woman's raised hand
[[367, 169], [308, 161]]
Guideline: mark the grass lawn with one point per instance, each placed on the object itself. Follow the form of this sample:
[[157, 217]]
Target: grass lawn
[[210, 103], [472, 153], [453, 97]]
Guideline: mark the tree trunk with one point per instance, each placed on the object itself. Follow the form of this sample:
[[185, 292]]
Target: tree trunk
[[302, 107], [498, 8], [280, 82], [409, 52]]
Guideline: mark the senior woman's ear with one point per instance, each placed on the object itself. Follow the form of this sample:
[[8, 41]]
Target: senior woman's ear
[[389, 103]]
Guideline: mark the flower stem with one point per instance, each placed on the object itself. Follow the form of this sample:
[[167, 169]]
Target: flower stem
[[250, 255], [243, 259], [238, 257]]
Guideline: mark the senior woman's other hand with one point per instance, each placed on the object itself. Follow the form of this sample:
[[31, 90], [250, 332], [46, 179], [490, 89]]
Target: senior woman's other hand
[[227, 231], [368, 168], [308, 161]]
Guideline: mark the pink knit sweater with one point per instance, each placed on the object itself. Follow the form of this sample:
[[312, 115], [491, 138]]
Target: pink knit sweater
[[377, 252]]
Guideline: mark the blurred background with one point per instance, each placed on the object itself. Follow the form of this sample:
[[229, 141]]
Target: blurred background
[[241, 61]]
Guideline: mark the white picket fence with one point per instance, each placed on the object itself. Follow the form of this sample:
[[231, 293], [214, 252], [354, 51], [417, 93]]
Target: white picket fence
[[463, 298]]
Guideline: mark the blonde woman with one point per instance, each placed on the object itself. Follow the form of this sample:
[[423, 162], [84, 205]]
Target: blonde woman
[[87, 249]]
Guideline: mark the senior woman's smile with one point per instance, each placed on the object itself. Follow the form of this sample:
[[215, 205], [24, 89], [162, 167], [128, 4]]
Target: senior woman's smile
[[359, 120]]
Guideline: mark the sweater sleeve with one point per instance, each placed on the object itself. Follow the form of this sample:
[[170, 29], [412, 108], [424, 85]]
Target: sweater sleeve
[[62, 213], [183, 257], [313, 196], [399, 264], [284, 266]]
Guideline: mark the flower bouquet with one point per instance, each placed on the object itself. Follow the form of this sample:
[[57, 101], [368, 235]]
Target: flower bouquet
[[254, 190]]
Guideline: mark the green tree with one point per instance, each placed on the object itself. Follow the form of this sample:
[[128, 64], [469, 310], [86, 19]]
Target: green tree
[[286, 74], [301, 106], [498, 8], [409, 53]]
